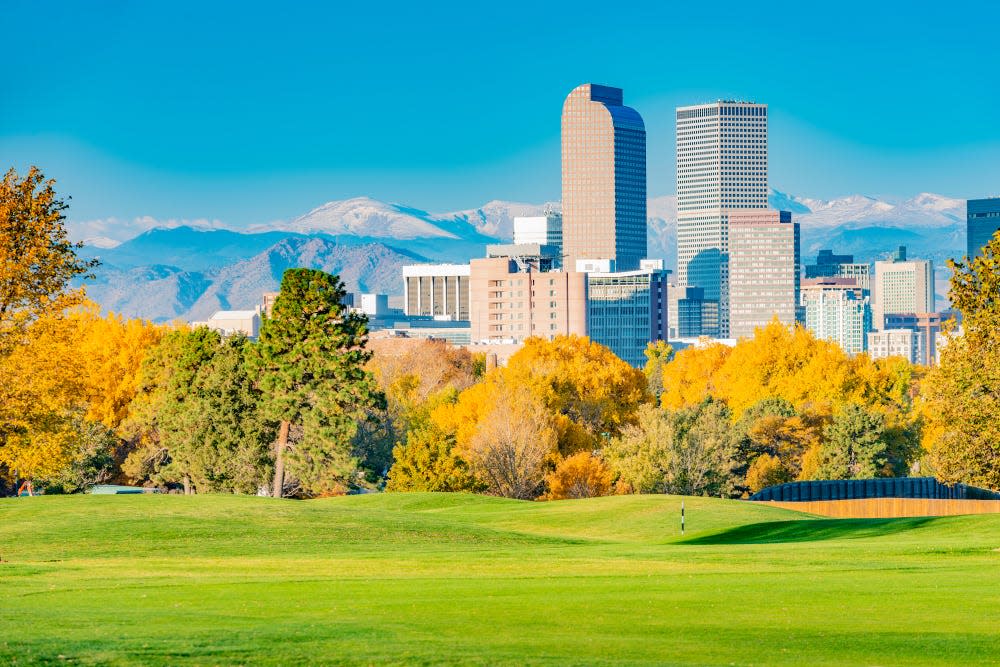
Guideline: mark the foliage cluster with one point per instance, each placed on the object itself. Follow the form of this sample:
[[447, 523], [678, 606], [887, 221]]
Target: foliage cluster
[[314, 408]]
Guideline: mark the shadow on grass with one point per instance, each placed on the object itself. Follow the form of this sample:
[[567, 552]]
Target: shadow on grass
[[810, 530]]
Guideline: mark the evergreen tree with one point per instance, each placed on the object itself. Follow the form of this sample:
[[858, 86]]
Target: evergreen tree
[[197, 416], [310, 363]]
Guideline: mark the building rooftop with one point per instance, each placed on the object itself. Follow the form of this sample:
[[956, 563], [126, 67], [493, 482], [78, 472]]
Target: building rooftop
[[233, 314]]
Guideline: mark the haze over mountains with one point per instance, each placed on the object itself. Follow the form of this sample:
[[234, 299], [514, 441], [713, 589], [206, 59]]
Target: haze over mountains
[[190, 271]]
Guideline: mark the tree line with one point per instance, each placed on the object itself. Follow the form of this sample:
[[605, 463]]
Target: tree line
[[313, 407]]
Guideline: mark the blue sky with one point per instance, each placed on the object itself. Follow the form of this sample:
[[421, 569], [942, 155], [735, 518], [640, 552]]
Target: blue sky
[[249, 112]]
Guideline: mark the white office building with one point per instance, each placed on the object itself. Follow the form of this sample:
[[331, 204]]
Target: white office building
[[837, 309], [436, 290], [904, 343], [902, 286], [721, 166], [545, 230], [229, 322]]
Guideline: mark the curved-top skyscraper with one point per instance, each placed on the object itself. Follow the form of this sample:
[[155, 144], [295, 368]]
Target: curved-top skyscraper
[[603, 178]]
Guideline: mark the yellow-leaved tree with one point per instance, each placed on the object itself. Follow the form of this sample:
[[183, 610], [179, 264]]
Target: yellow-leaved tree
[[69, 371], [37, 260]]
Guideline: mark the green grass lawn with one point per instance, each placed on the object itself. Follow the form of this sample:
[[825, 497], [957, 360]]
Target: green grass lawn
[[454, 579]]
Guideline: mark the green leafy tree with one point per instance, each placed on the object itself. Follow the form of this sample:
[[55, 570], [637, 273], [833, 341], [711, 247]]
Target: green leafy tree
[[97, 459], [310, 361], [963, 393], [197, 417], [684, 451], [854, 445], [744, 448]]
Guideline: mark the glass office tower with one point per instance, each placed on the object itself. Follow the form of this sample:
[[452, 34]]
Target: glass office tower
[[983, 221]]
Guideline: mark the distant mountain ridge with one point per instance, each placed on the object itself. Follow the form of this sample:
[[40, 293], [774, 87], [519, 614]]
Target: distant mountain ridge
[[188, 272]]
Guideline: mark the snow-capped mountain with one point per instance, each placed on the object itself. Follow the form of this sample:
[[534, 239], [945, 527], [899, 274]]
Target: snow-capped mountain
[[362, 216], [924, 210], [169, 270]]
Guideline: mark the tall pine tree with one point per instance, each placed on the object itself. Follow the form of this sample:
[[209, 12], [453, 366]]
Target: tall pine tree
[[310, 366]]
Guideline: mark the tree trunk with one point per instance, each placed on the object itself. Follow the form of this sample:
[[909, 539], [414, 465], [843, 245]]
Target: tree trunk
[[279, 459], [187, 485]]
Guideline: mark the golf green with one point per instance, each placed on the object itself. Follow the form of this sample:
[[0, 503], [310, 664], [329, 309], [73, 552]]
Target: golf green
[[457, 579]]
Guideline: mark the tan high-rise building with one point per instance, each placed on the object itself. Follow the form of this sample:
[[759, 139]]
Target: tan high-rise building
[[509, 304], [764, 273], [902, 286], [603, 178]]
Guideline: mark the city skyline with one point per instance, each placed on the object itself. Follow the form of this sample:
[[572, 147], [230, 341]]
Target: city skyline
[[265, 121]]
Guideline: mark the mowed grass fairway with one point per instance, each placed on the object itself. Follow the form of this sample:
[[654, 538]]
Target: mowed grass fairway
[[455, 579]]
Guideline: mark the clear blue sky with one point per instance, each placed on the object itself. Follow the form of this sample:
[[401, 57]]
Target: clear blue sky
[[249, 111]]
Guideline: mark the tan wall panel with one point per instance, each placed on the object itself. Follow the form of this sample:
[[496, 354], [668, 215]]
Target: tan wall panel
[[888, 508]]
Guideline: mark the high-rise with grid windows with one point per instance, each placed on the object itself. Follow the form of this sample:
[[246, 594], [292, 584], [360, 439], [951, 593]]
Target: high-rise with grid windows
[[721, 166], [603, 178]]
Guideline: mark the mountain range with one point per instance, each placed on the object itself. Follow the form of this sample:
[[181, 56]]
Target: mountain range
[[189, 271]]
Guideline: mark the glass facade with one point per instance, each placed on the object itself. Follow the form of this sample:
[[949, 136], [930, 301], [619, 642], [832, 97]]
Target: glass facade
[[626, 311], [603, 178], [983, 221]]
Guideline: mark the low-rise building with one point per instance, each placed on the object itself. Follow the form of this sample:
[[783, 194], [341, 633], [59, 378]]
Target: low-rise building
[[436, 290], [510, 304], [927, 327], [904, 343], [229, 322]]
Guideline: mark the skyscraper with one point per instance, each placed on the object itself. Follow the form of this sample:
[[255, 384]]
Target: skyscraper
[[721, 165], [902, 286], [603, 178], [983, 221], [764, 269]]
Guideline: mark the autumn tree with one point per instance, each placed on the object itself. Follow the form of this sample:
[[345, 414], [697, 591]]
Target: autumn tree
[[310, 361], [409, 372], [581, 475], [658, 355], [766, 470], [591, 392], [41, 400], [512, 445], [426, 460], [691, 376], [70, 372], [963, 392], [37, 261]]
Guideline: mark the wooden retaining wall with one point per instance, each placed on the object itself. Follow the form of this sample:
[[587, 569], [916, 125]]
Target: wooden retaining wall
[[886, 508]]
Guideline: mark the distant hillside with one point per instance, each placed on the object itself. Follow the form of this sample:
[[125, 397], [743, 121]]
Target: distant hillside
[[188, 272], [161, 292]]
